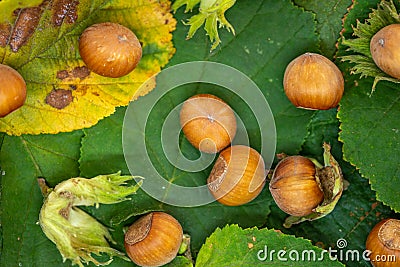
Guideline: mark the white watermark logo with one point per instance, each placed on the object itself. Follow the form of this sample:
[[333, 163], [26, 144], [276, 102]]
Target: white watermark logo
[[340, 253]]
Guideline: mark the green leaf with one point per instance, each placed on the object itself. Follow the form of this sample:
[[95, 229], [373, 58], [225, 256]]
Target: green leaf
[[263, 56], [359, 48], [212, 15], [371, 124], [44, 50], [355, 213], [191, 218], [24, 159], [234, 246], [266, 71], [329, 16]]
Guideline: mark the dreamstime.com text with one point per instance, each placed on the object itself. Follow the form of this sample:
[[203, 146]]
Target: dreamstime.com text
[[310, 255]]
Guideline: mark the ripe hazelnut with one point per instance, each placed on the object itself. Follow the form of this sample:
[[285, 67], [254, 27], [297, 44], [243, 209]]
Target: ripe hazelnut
[[312, 81], [12, 90], [208, 123], [385, 49], [294, 186], [110, 49], [384, 243], [154, 239], [238, 176]]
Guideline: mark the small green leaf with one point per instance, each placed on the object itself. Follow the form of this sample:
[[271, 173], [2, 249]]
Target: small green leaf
[[212, 13], [234, 246], [359, 47]]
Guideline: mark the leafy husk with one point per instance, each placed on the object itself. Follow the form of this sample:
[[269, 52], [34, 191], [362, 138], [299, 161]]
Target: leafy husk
[[359, 47]]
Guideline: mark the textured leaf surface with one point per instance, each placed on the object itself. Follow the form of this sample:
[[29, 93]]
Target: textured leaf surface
[[329, 16], [262, 52], [357, 210], [369, 128], [267, 72], [48, 59], [191, 218], [24, 159], [359, 47], [282, 31], [233, 246]]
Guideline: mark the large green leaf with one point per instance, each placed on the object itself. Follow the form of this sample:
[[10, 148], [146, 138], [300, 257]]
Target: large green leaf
[[24, 159], [41, 42], [233, 246], [95, 160], [268, 35], [369, 125], [267, 72]]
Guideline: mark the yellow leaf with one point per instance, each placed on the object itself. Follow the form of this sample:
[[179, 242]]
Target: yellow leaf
[[62, 94]]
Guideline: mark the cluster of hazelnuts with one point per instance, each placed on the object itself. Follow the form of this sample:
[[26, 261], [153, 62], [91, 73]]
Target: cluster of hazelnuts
[[311, 81]]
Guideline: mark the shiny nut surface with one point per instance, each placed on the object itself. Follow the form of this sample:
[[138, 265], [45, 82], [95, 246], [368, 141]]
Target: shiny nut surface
[[154, 239], [12, 90], [385, 49], [110, 49], [294, 186], [384, 243], [238, 176], [208, 123], [312, 81]]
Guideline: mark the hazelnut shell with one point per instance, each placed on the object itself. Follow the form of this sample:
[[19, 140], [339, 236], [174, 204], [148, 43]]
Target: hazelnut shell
[[312, 81], [384, 243], [238, 176], [385, 49], [12, 90], [110, 49], [154, 239], [208, 123], [294, 187]]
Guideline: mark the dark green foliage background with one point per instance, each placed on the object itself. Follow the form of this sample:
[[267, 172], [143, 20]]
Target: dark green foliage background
[[268, 35]]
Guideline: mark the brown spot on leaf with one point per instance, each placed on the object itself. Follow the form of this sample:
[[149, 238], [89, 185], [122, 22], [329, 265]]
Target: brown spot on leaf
[[59, 98], [25, 26], [64, 11], [62, 74], [80, 72], [16, 12], [77, 72], [5, 32]]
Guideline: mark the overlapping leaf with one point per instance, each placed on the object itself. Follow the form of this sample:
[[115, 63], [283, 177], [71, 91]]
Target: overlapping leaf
[[369, 123], [45, 51], [233, 246], [269, 35]]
